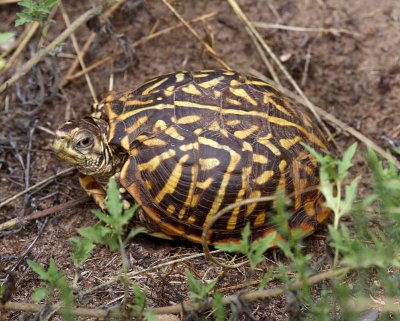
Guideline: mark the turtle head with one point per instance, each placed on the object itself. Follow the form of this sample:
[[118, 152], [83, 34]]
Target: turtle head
[[83, 144]]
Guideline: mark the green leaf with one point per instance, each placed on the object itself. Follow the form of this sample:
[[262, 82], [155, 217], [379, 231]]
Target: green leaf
[[241, 247], [150, 315], [113, 201], [38, 269], [346, 161], [3, 63], [94, 233], [218, 305], [128, 214], [39, 294], [6, 36], [140, 300], [258, 248], [351, 194], [265, 279], [133, 232], [22, 19], [197, 290], [34, 11], [81, 249]]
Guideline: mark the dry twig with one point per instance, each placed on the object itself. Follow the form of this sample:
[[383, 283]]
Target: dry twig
[[77, 50], [210, 50], [139, 42], [263, 25], [247, 23], [40, 54], [187, 306], [37, 185], [35, 215]]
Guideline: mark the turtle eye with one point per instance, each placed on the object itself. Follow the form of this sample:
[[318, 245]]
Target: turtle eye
[[85, 142]]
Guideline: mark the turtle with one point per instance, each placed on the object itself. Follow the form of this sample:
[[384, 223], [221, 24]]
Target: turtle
[[187, 144]]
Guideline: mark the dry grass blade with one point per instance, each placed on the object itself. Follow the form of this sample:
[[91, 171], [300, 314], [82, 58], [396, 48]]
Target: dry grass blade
[[8, 1], [210, 50], [35, 215], [248, 24], [263, 25], [23, 41], [263, 56], [77, 50], [31, 188], [87, 45], [40, 54], [103, 61], [339, 124]]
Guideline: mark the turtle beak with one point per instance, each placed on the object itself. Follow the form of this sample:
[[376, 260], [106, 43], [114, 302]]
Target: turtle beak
[[63, 150]]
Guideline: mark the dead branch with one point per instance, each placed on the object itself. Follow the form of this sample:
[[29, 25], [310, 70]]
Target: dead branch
[[37, 185], [35, 215], [210, 50], [39, 56]]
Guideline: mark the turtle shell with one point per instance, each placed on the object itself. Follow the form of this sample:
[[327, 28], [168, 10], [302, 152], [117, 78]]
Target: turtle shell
[[199, 141]]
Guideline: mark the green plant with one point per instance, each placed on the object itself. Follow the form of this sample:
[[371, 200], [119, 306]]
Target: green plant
[[34, 11], [254, 251], [53, 280]]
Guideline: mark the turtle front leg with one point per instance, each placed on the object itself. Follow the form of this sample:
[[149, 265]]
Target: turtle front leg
[[93, 189]]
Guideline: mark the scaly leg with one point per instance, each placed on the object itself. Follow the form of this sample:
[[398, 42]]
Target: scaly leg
[[93, 189]]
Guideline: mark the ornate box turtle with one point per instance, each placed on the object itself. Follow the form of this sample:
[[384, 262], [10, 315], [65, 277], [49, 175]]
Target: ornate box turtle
[[187, 144]]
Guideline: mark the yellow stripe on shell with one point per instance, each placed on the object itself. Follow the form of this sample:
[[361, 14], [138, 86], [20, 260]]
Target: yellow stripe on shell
[[260, 219], [192, 90], [159, 125], [189, 147], [287, 143], [211, 83], [264, 177], [217, 93], [282, 166], [233, 101], [234, 160], [214, 126], [208, 163], [188, 119], [268, 100], [194, 171], [134, 112], [242, 134], [233, 122], [179, 77], [173, 180], [154, 86], [232, 221], [250, 208], [152, 142], [125, 140], [258, 158], [171, 209], [153, 163], [265, 140], [206, 184], [136, 102], [172, 132], [235, 83], [240, 92]]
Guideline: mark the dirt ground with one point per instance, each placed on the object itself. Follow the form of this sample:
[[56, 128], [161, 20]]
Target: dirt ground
[[352, 71]]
